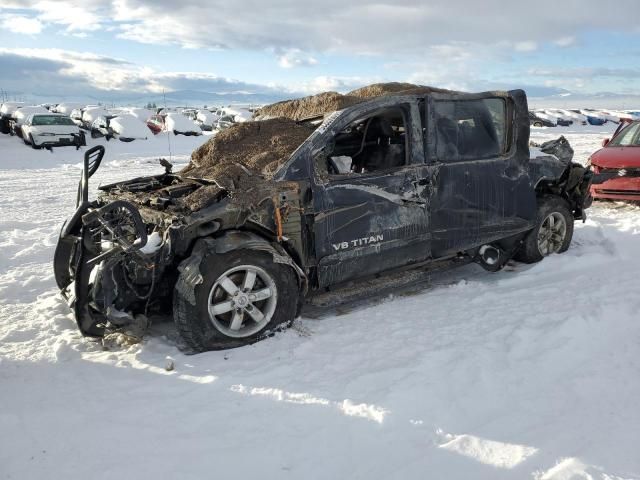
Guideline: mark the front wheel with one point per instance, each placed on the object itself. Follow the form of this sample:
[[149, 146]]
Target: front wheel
[[243, 297], [33, 143], [553, 231]]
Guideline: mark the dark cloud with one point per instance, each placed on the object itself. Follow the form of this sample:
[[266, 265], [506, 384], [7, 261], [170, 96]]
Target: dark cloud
[[51, 73]]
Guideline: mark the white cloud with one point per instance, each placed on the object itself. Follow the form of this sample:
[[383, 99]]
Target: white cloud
[[565, 41], [370, 27], [527, 46], [296, 58], [325, 83], [21, 24]]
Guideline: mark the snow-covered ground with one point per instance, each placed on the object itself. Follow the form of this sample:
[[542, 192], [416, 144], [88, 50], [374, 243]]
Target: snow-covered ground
[[532, 372]]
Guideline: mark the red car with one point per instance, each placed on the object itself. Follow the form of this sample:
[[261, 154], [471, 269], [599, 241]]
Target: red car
[[617, 165]]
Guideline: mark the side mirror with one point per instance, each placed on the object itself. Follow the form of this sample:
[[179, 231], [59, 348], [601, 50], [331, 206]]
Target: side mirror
[[605, 142]]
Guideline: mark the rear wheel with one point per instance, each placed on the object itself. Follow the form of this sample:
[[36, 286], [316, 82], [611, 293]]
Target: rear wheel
[[553, 231], [243, 297], [537, 124]]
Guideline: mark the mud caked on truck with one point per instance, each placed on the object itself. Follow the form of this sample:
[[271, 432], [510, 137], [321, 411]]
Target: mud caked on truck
[[320, 193]]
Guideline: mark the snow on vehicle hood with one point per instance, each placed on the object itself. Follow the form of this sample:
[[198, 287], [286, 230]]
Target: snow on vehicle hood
[[8, 108], [141, 113], [177, 121], [67, 108], [129, 126], [206, 117], [92, 114]]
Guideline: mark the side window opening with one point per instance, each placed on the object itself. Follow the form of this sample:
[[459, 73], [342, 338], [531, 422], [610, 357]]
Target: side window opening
[[375, 143], [470, 129]]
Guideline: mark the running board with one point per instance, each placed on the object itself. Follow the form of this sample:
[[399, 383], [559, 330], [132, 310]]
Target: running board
[[380, 286]]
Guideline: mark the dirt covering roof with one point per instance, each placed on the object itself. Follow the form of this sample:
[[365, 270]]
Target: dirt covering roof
[[246, 152], [327, 102]]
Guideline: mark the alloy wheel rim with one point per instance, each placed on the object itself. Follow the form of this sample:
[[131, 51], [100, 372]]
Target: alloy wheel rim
[[242, 301], [552, 234]]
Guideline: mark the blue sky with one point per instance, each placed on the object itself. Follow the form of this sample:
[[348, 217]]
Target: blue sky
[[147, 46]]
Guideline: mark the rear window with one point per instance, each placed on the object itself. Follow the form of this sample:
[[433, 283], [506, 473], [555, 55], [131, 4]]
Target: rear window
[[470, 129], [51, 120], [630, 136]]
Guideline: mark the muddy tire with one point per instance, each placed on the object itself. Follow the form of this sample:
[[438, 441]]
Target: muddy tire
[[553, 231], [243, 298]]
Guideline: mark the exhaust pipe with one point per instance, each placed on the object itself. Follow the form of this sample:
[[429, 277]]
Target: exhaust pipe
[[491, 258]]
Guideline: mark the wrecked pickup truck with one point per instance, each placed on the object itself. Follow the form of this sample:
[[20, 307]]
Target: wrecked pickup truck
[[269, 213]]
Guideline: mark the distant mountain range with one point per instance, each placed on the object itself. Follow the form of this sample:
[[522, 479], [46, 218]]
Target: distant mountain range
[[539, 96]]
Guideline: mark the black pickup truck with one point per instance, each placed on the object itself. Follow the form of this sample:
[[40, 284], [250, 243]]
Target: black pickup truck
[[388, 183]]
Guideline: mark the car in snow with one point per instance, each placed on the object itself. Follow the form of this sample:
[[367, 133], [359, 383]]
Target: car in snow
[[173, 122], [6, 112], [51, 130], [537, 120], [67, 107], [270, 214], [19, 116], [205, 119], [616, 165], [125, 128]]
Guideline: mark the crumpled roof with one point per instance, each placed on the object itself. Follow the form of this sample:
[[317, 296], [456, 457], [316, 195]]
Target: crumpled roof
[[327, 102], [246, 152]]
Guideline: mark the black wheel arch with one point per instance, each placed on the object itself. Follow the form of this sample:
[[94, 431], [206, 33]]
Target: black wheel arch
[[232, 240]]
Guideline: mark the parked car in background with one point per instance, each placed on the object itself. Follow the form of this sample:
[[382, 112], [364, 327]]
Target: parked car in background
[[67, 107], [125, 128], [617, 164], [537, 120], [51, 130], [173, 122], [592, 117], [576, 117], [561, 119], [142, 114], [224, 122], [19, 116], [206, 120], [6, 111], [91, 113]]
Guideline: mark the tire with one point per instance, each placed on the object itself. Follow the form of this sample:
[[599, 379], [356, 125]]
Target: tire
[[203, 331], [537, 124], [553, 213], [33, 144]]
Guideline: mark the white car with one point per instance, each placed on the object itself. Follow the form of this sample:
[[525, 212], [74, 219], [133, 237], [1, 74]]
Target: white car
[[51, 130], [206, 120], [126, 128], [68, 107], [20, 116], [179, 124]]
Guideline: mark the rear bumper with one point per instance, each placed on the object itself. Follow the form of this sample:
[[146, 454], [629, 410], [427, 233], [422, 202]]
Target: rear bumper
[[617, 189]]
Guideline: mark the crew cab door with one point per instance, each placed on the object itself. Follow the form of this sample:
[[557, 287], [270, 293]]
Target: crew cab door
[[479, 145], [369, 215]]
